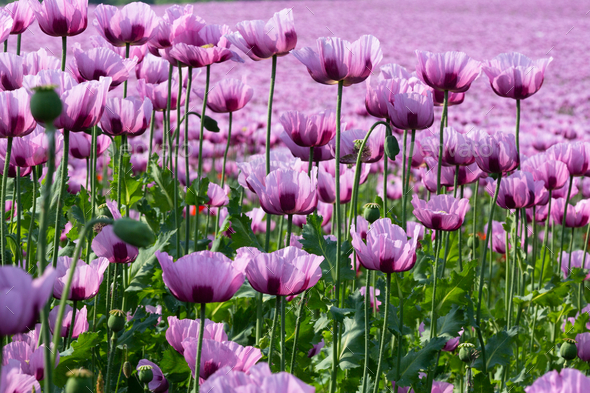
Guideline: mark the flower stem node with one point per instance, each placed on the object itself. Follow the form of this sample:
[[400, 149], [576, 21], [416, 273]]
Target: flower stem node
[[79, 381], [116, 321]]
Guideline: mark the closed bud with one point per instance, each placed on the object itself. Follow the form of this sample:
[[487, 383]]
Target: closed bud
[[127, 369], [116, 321], [79, 381], [372, 212], [391, 147], [46, 105], [135, 233], [471, 240], [568, 349]]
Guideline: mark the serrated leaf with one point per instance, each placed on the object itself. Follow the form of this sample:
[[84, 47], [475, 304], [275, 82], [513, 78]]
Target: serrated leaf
[[162, 193], [142, 269], [173, 366], [498, 350], [314, 242], [416, 361], [77, 355], [453, 290]]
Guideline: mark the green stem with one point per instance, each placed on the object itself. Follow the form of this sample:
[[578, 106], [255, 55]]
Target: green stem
[[3, 197], [283, 350], [187, 229], [383, 330], [545, 238], [400, 343], [404, 174], [64, 51], [482, 270], [407, 181], [18, 43], [440, 147], [68, 338], [223, 167], [518, 130], [310, 162], [61, 186], [357, 175], [569, 263], [475, 193], [567, 200], [68, 284], [438, 241], [333, 381], [273, 74], [300, 314], [201, 137], [199, 348], [32, 223], [147, 169], [289, 229], [127, 47], [273, 331], [18, 214], [177, 134], [166, 115], [367, 328]]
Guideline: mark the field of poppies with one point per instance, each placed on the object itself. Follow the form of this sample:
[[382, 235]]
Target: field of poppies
[[295, 196]]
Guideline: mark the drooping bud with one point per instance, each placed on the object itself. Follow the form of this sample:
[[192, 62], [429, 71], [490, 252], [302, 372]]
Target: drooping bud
[[127, 369], [135, 233]]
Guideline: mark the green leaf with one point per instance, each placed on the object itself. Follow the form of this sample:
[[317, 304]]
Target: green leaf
[[173, 366], [416, 361], [482, 384], [314, 242], [162, 193], [77, 355], [196, 194], [452, 291], [127, 338], [143, 268], [498, 350]]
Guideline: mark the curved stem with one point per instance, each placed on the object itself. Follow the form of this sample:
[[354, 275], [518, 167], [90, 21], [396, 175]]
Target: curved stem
[[440, 147], [482, 270], [199, 347], [68, 284], [357, 174], [333, 381], [567, 202], [3, 228], [61, 186], [383, 330], [187, 230]]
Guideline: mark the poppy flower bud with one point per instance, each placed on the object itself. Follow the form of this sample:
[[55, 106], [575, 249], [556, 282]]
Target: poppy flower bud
[[467, 352], [135, 233]]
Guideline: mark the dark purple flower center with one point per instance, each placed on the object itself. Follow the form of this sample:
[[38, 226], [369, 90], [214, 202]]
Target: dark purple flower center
[[288, 202], [209, 368], [273, 286], [202, 294], [120, 252]]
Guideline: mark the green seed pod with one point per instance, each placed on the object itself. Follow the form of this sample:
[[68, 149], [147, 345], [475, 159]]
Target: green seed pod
[[391, 147], [116, 321], [568, 349], [372, 212], [466, 352], [145, 374], [135, 233], [79, 381], [127, 369], [46, 105], [103, 210]]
